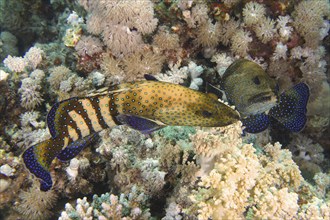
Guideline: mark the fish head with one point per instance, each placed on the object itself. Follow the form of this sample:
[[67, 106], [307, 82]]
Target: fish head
[[213, 113], [249, 87], [201, 110]]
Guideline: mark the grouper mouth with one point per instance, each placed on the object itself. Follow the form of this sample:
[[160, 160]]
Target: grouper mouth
[[262, 97], [260, 103]]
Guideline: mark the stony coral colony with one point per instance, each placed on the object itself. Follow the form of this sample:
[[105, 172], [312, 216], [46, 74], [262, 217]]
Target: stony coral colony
[[177, 172]]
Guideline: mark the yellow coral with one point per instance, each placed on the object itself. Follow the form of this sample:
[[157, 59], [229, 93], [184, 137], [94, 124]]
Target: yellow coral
[[72, 36], [265, 185]]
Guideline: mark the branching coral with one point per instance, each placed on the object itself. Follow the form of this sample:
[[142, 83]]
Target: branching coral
[[240, 181], [109, 206]]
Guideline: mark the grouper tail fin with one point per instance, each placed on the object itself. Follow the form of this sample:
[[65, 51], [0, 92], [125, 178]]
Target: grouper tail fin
[[38, 158], [291, 109]]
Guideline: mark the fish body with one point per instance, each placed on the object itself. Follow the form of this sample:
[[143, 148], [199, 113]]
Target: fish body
[[254, 93], [144, 105]]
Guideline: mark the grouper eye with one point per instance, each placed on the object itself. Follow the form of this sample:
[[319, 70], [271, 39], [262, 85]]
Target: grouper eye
[[256, 80], [206, 114]]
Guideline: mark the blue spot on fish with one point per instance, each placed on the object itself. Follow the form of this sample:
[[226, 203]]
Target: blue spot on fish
[[256, 123]]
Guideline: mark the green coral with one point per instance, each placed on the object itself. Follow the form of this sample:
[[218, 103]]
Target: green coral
[[177, 133]]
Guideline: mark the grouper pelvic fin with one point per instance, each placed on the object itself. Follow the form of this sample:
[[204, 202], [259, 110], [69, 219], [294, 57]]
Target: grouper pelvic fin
[[73, 149], [144, 125]]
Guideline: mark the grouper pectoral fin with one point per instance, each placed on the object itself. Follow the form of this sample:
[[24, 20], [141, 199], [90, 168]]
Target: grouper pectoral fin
[[76, 147], [144, 125], [150, 77]]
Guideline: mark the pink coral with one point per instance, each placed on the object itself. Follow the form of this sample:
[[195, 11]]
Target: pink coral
[[120, 40], [197, 16], [121, 23], [265, 30], [208, 34], [229, 28], [309, 18], [88, 45], [142, 62], [240, 42]]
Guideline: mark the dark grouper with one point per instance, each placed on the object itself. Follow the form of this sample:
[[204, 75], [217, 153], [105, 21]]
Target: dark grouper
[[253, 92], [145, 106]]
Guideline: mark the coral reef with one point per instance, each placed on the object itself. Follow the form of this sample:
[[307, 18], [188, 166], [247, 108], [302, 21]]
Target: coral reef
[[54, 50]]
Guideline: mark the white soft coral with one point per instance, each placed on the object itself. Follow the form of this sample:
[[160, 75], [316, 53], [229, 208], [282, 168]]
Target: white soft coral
[[253, 12]]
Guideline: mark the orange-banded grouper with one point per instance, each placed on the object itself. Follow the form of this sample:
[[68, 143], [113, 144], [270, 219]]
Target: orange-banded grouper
[[254, 93], [144, 105]]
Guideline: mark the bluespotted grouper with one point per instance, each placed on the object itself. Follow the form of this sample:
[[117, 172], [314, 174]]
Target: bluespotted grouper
[[255, 95], [144, 105]]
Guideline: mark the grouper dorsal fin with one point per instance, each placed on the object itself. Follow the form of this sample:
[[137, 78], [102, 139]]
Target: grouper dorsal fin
[[213, 91]]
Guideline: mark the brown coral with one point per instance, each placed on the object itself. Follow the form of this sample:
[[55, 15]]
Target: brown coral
[[35, 204]]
